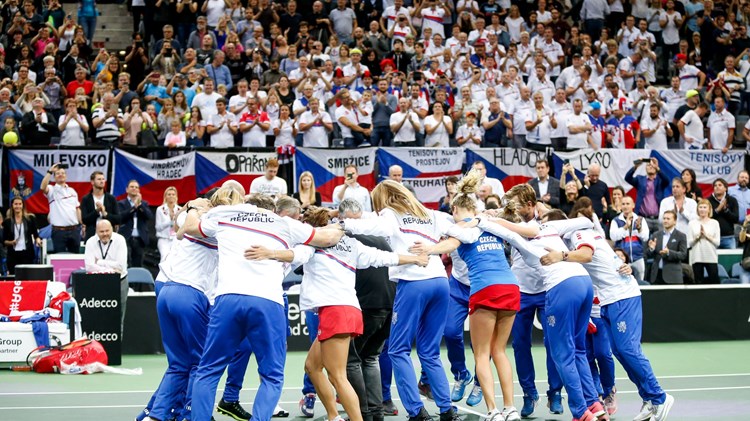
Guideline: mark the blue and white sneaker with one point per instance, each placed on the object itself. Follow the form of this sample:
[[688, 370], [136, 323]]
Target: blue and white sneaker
[[459, 387], [143, 414], [529, 404], [475, 397], [554, 403], [307, 405]]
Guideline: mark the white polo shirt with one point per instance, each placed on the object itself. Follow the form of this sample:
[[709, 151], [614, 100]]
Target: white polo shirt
[[63, 203], [350, 115], [358, 193], [719, 125], [224, 137], [107, 258], [316, 136], [406, 134], [658, 140]]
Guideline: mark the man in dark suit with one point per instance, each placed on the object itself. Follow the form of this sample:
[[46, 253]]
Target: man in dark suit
[[38, 125], [134, 216], [547, 188], [668, 247], [98, 205]]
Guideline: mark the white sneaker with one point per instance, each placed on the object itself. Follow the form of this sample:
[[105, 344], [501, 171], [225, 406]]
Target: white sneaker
[[661, 411], [494, 415], [647, 411], [510, 413]]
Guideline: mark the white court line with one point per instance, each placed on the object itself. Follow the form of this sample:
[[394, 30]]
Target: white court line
[[124, 392], [701, 389]]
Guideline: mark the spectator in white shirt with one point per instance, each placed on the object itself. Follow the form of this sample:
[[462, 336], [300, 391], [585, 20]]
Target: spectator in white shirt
[[469, 135], [206, 100], [269, 183], [655, 129], [315, 125], [721, 127], [405, 124], [494, 183], [352, 189], [691, 127], [222, 126], [438, 127], [107, 251], [684, 207]]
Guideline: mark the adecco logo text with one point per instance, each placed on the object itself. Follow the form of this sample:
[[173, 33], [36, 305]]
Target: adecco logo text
[[94, 303]]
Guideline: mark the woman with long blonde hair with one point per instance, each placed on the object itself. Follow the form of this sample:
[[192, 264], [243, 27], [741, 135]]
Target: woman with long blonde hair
[[165, 218], [306, 193], [703, 240], [494, 296], [422, 294]]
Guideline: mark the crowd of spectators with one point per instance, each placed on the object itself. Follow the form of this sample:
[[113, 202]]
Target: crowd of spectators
[[258, 73]]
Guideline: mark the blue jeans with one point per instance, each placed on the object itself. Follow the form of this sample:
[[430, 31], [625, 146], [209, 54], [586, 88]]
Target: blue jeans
[[727, 242], [381, 136], [89, 26], [624, 320]]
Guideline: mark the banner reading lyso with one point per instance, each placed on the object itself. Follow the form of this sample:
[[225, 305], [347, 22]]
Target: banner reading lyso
[[510, 166], [212, 169], [28, 167], [327, 167], [614, 164], [154, 175], [425, 169]]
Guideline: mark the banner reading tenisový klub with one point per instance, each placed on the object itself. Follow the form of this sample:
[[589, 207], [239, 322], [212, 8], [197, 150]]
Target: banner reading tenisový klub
[[708, 165], [28, 168], [425, 169], [212, 169], [154, 175], [327, 167]]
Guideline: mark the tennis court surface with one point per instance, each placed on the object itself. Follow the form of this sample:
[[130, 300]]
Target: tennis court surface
[[709, 380]]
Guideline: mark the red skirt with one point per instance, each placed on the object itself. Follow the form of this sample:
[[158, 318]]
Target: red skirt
[[496, 297], [339, 320]]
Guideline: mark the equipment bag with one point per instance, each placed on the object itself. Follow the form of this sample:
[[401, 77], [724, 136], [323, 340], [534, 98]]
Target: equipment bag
[[80, 353]]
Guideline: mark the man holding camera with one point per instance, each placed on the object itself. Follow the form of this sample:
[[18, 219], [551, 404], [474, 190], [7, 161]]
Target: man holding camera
[[650, 190], [64, 210], [351, 189]]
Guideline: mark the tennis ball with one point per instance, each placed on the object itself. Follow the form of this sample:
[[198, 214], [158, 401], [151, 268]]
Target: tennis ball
[[10, 138]]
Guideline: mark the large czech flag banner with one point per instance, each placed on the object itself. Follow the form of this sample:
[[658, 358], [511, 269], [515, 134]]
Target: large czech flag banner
[[425, 169], [28, 168], [212, 169], [510, 166], [327, 168], [154, 175]]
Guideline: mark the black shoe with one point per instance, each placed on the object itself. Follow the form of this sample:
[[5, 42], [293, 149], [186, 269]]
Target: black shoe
[[425, 390], [422, 416], [450, 415], [233, 409]]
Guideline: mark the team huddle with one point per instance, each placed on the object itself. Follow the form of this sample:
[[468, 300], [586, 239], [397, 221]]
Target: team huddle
[[220, 299]]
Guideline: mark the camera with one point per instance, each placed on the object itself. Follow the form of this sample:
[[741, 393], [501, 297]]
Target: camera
[[62, 166]]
